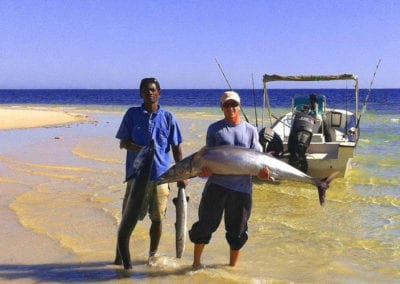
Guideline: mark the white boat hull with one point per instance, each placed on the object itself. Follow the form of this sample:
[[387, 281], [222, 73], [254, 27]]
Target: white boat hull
[[321, 163], [323, 157]]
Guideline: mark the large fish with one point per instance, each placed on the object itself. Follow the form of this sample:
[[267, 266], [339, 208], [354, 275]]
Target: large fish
[[181, 220], [136, 203], [234, 160]]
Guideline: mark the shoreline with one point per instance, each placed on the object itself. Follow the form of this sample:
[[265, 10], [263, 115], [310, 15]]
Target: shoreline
[[22, 117]]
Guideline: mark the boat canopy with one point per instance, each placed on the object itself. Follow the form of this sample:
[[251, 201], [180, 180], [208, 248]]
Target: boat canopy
[[275, 77]]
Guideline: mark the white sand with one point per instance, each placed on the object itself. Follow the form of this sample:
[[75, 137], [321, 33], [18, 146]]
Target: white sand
[[14, 118]]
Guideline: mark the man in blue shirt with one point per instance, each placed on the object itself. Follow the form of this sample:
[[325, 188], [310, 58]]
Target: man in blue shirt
[[139, 126], [228, 195]]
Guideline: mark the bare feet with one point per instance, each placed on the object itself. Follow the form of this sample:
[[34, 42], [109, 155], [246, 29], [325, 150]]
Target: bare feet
[[152, 259], [197, 266]]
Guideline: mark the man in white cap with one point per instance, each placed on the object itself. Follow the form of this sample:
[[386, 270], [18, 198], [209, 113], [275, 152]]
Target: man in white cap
[[229, 195]]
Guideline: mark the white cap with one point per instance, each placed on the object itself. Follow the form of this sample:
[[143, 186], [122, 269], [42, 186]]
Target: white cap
[[230, 95]]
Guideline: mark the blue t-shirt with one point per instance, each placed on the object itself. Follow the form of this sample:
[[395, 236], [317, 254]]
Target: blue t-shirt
[[140, 127], [244, 135]]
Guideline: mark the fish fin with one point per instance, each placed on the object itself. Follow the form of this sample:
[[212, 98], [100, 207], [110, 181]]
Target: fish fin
[[187, 198], [323, 186], [175, 200]]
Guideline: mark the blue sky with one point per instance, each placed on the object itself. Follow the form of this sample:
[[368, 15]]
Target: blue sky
[[113, 44]]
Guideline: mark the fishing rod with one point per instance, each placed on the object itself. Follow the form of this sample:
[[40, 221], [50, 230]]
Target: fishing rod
[[254, 99], [369, 92], [230, 87], [223, 74], [266, 102], [346, 126]]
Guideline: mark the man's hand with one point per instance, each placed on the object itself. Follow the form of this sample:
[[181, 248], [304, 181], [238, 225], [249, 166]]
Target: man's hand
[[205, 172], [129, 145], [265, 174]]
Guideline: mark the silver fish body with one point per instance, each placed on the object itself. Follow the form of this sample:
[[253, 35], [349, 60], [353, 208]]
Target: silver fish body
[[181, 221], [234, 160]]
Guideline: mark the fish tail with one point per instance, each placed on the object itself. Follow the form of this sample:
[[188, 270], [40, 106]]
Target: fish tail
[[323, 186]]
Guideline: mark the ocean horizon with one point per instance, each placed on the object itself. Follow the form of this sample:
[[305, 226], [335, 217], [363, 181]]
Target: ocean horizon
[[386, 100]]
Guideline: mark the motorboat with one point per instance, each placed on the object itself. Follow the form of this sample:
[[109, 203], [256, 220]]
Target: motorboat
[[312, 136]]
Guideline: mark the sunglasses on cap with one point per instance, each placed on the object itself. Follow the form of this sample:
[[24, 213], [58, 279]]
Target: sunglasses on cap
[[230, 104]]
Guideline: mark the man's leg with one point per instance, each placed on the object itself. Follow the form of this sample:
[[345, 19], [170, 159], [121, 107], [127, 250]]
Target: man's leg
[[198, 250], [234, 256], [210, 214], [237, 214], [157, 209]]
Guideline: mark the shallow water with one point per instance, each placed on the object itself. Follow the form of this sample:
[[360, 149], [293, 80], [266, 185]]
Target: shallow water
[[70, 190]]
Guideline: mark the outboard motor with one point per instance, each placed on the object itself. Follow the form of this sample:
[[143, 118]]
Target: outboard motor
[[299, 140], [270, 142]]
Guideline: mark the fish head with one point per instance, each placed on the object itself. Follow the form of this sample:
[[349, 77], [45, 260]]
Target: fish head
[[145, 154], [143, 161], [183, 169]]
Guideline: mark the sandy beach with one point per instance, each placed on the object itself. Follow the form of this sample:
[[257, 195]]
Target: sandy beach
[[20, 244], [61, 189], [28, 117], [20, 117], [61, 178]]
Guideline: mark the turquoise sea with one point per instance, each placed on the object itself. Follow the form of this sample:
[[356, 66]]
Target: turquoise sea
[[66, 188]]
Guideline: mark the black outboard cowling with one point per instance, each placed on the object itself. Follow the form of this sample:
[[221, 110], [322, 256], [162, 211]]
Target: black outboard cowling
[[299, 140], [270, 141]]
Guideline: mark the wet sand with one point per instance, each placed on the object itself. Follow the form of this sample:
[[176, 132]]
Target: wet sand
[[23, 249], [17, 118], [61, 179]]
